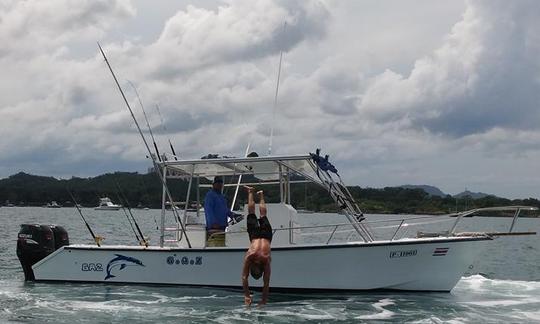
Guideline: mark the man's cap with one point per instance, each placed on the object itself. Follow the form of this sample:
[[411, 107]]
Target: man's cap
[[218, 179]]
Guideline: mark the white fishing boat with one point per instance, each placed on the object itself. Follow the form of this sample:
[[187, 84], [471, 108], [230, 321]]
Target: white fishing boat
[[352, 255], [106, 204], [53, 204]]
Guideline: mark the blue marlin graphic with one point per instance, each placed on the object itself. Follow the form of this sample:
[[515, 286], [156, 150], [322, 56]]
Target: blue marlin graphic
[[121, 261]]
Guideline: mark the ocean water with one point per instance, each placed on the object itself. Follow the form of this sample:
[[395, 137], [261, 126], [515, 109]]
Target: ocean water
[[503, 286]]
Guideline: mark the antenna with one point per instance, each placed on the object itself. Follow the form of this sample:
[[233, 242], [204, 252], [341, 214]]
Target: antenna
[[275, 98]]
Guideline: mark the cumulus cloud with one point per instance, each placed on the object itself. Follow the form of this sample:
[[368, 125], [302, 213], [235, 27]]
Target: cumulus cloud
[[389, 118], [35, 26], [237, 31], [485, 75], [72, 107]]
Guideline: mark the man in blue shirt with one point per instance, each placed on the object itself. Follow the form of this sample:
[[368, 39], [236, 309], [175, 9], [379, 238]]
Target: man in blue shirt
[[216, 212]]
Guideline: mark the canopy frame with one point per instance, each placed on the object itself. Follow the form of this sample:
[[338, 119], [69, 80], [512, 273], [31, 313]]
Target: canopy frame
[[271, 170]]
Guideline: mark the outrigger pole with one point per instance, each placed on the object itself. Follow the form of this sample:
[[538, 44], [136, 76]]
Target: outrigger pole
[[165, 130], [96, 238], [156, 165], [146, 118]]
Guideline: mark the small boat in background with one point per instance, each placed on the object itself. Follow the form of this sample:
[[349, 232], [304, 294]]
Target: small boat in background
[[53, 204], [141, 206], [106, 204]]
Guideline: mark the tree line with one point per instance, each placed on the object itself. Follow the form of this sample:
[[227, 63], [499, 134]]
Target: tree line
[[144, 190]]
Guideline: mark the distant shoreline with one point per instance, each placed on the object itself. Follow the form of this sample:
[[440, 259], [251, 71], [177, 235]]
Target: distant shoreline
[[144, 191]]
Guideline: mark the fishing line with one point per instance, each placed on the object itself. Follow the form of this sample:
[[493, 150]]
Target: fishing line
[[142, 240], [127, 216], [145, 118], [153, 214], [165, 130]]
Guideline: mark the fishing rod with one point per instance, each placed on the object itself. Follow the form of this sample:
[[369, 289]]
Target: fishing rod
[[156, 166], [127, 216], [276, 98], [97, 239], [239, 180], [146, 118], [142, 240], [154, 214], [165, 130]]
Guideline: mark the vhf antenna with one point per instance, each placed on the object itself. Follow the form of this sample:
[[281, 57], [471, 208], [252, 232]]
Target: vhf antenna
[[276, 97]]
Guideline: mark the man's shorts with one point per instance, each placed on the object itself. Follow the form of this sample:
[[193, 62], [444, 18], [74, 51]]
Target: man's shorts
[[258, 228]]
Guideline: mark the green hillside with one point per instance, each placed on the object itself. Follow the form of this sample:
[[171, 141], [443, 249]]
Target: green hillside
[[145, 190]]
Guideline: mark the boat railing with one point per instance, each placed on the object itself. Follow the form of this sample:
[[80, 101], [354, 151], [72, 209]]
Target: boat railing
[[402, 227], [382, 230], [399, 228]]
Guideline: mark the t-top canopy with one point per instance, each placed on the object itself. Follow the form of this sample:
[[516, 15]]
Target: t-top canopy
[[264, 168]]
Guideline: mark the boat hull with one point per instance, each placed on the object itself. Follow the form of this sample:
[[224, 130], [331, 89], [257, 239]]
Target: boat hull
[[433, 264]]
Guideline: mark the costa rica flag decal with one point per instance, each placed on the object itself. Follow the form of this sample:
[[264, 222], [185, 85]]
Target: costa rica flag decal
[[440, 251]]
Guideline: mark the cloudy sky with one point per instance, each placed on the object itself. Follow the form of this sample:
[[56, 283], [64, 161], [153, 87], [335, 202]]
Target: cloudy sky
[[397, 92]]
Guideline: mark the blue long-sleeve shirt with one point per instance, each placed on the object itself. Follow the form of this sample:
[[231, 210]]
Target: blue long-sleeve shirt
[[216, 210]]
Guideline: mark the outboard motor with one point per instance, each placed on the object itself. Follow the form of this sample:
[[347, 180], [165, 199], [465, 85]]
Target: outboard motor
[[35, 242], [61, 237]]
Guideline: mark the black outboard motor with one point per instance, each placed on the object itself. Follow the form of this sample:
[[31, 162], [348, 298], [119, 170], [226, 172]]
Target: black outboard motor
[[61, 237], [35, 242]]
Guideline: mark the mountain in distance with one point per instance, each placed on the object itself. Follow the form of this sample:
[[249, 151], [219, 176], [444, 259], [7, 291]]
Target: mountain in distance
[[434, 191], [430, 190], [473, 195]]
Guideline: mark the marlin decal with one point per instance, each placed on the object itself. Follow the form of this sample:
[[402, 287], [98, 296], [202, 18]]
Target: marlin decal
[[121, 261]]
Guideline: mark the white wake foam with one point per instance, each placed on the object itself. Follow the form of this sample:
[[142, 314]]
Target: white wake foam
[[382, 313]]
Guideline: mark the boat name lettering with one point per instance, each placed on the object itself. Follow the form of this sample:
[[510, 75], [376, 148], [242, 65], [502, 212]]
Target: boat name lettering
[[92, 267], [184, 260], [402, 254]]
